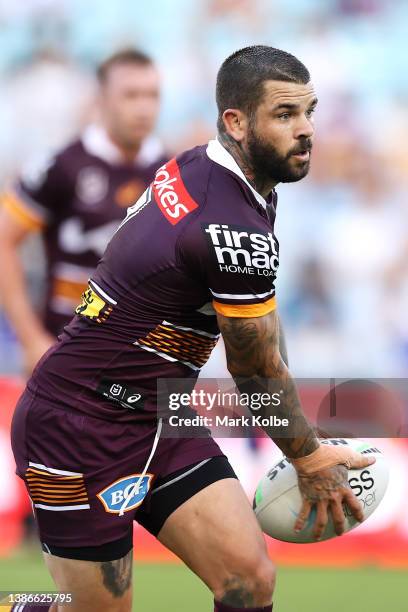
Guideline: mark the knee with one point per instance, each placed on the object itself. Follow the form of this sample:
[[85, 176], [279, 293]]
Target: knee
[[248, 584], [264, 580]]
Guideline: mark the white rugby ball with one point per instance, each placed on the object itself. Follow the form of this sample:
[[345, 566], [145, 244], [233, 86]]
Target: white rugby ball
[[277, 500]]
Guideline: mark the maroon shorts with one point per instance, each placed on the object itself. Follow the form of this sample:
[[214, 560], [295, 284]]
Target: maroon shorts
[[79, 470]]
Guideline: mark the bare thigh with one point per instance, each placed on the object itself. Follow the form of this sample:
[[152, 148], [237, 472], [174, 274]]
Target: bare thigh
[[216, 534], [105, 585]]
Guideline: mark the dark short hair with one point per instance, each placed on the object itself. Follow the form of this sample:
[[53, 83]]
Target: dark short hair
[[241, 77], [125, 56]]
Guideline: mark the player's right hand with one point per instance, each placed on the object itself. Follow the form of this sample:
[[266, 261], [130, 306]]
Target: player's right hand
[[323, 483], [35, 349]]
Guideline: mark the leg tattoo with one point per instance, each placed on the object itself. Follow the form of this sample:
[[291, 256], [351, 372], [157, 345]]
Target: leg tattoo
[[237, 594], [117, 575]]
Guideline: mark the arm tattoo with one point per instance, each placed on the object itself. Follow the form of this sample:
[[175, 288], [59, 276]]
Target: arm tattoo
[[254, 361], [117, 575]]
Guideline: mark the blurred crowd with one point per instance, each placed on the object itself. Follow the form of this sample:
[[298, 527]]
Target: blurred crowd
[[343, 279]]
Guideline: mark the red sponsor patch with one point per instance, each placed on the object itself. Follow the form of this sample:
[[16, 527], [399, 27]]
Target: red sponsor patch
[[170, 193]]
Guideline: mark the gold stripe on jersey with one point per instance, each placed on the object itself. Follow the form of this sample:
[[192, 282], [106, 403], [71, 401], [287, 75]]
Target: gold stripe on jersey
[[21, 212], [181, 345], [245, 310], [45, 487]]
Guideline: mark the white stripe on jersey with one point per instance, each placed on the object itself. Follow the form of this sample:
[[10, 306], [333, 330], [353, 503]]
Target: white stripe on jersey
[[102, 292], [152, 350], [135, 209], [53, 470], [196, 331], [60, 508], [242, 296]]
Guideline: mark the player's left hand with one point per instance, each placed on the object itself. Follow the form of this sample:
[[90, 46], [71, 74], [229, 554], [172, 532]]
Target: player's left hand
[[327, 490]]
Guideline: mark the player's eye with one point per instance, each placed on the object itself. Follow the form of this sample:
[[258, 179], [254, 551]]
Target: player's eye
[[284, 116], [310, 112]]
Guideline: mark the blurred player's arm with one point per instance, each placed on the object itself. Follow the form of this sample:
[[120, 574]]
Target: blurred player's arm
[[34, 339], [255, 362]]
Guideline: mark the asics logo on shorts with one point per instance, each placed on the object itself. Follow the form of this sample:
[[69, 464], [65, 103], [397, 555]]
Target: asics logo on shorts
[[121, 393]]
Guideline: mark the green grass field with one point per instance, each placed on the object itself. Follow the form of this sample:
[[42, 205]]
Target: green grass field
[[172, 588]]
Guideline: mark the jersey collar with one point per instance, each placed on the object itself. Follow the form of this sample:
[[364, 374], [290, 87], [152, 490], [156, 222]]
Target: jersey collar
[[96, 141], [219, 154]]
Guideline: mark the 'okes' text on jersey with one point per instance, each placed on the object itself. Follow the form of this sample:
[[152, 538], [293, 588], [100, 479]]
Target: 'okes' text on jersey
[[199, 240]]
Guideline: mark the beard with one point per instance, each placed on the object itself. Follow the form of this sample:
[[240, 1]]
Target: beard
[[268, 163]]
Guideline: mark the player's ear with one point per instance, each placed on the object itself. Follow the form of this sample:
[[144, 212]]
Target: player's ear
[[236, 123]]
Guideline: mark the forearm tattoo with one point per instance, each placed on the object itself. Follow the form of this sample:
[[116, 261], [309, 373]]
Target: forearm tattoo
[[254, 360]]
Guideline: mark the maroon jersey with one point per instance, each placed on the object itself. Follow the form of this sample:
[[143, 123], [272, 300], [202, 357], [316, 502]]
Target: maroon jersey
[[200, 240], [78, 199]]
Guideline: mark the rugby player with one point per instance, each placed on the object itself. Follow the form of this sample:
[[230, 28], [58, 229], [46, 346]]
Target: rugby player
[[86, 433], [78, 199]]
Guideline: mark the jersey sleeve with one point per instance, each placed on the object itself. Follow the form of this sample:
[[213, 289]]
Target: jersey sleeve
[[35, 196], [238, 265]]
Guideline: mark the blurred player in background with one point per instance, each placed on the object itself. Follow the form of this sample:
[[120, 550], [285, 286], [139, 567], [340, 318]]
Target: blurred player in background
[[77, 199]]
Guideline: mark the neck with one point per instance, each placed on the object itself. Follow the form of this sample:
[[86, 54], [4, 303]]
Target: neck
[[261, 184], [128, 152]]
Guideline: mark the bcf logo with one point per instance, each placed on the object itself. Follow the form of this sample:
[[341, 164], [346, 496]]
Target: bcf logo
[[113, 496]]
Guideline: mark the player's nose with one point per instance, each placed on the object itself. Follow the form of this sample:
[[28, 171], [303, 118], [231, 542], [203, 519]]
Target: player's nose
[[304, 128]]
